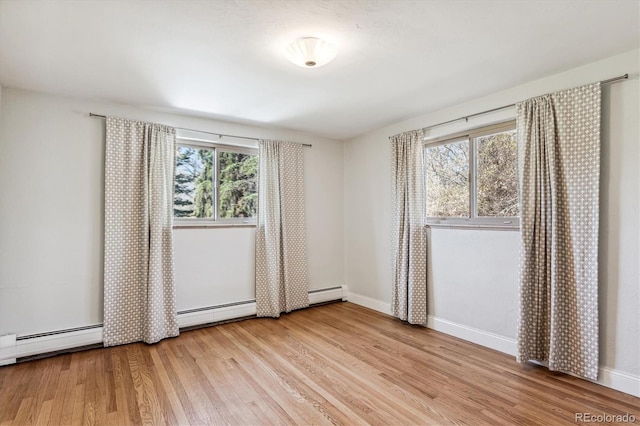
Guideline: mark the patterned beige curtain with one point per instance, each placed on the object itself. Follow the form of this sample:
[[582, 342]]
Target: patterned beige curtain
[[409, 242], [139, 290], [281, 246], [559, 171]]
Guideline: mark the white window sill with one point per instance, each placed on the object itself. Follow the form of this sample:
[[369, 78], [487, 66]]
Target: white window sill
[[491, 227], [212, 225]]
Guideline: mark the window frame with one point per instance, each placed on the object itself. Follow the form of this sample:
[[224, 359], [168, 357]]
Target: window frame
[[215, 221], [473, 220]]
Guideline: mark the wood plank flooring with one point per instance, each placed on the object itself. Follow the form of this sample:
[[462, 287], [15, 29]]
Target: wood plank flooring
[[332, 364]]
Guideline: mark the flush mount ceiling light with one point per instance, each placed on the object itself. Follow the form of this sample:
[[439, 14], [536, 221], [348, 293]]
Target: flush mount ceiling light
[[310, 52]]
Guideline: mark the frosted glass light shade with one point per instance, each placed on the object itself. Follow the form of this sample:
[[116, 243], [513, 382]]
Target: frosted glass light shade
[[310, 52]]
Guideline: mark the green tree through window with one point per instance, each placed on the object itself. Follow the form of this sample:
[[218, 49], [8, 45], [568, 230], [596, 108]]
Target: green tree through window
[[204, 186], [238, 184], [196, 191]]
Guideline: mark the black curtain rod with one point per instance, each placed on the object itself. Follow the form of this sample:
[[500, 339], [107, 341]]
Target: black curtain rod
[[467, 117], [220, 135]]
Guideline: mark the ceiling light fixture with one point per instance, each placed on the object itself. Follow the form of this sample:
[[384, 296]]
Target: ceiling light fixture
[[310, 52]]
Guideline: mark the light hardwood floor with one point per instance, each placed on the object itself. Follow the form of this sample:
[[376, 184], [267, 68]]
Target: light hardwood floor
[[332, 364]]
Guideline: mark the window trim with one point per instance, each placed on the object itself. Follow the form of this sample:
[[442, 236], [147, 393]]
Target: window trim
[[473, 221], [215, 221]]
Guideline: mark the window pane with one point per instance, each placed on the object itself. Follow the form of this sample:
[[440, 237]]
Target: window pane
[[447, 176], [193, 192], [238, 184], [497, 177]]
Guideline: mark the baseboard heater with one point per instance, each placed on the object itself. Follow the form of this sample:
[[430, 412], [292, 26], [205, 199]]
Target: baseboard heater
[[18, 348]]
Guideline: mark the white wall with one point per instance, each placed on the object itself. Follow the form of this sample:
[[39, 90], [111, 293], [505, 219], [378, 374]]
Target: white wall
[[51, 226], [473, 274]]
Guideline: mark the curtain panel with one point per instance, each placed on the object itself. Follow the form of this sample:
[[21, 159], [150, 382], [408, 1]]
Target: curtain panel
[[282, 283], [139, 289], [559, 175], [409, 240]]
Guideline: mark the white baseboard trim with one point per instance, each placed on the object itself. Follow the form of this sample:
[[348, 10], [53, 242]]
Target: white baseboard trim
[[11, 349], [608, 377], [480, 337], [619, 380], [370, 303], [473, 335]]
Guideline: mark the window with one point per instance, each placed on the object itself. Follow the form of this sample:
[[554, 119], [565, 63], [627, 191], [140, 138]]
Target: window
[[215, 184], [471, 178]]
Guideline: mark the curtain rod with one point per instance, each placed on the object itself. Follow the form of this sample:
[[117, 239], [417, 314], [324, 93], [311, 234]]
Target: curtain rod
[[467, 117], [220, 135]]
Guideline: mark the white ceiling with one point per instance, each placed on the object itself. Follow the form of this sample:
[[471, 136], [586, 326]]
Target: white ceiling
[[223, 59]]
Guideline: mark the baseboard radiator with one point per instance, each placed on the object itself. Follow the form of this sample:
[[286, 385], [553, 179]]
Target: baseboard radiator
[[13, 348]]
